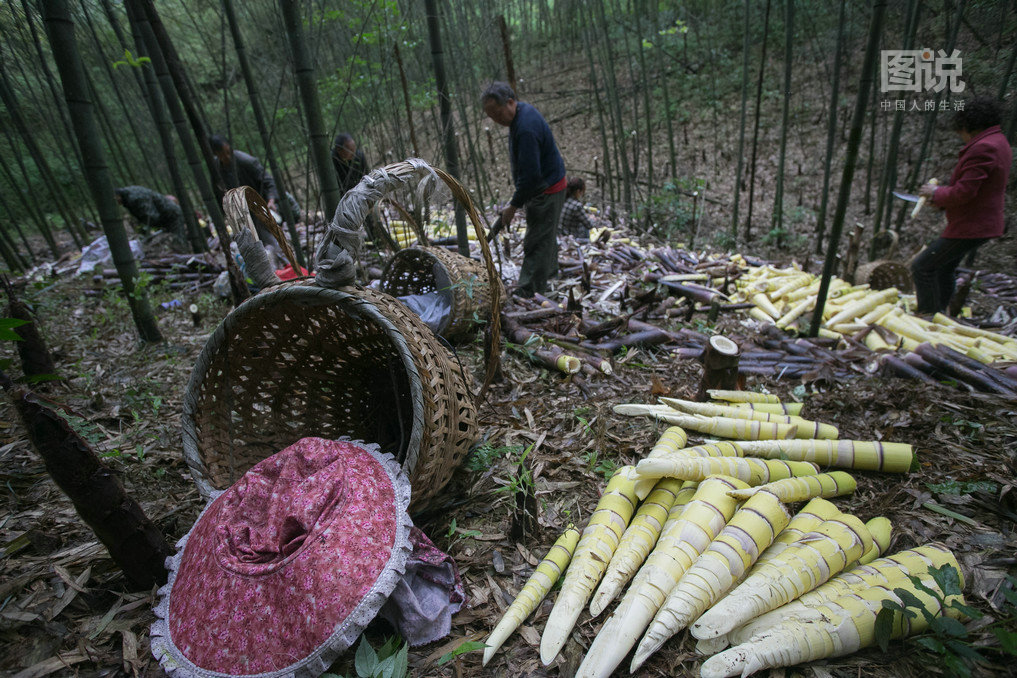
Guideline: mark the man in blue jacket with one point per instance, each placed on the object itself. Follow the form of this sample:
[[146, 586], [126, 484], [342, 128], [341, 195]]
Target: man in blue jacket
[[538, 173]]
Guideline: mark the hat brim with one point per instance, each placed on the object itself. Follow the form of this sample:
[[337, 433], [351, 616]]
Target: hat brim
[[296, 619]]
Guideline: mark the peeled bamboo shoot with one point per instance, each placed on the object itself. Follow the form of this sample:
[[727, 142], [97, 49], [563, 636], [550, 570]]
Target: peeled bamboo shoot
[[833, 484], [636, 543], [534, 590], [752, 528], [834, 546], [856, 454], [682, 541], [593, 553]]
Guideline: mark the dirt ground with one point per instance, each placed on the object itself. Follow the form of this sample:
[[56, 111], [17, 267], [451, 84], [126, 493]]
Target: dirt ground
[[65, 610]]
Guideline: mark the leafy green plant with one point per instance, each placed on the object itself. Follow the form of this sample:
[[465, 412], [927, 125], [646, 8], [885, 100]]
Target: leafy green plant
[[947, 637], [463, 648], [521, 479], [957, 487], [456, 534], [603, 467], [390, 661], [487, 454]]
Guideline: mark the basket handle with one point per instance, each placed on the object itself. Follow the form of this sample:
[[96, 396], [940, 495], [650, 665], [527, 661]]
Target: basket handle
[[339, 249]]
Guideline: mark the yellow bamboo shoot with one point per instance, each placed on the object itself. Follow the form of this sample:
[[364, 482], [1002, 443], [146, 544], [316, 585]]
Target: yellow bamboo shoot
[[833, 484], [752, 471], [534, 590], [743, 396], [794, 409], [752, 528], [636, 543], [887, 571], [856, 454], [834, 546], [841, 626], [681, 542], [863, 306], [596, 546]]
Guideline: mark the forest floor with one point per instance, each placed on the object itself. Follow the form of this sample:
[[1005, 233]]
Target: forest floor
[[64, 608]]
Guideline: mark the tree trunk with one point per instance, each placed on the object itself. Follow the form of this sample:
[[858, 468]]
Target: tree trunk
[[160, 44], [613, 97], [134, 542], [406, 101], [308, 86], [850, 158], [777, 218], [266, 140], [14, 112], [149, 46], [741, 123], [755, 124], [609, 190], [831, 131], [506, 46], [121, 100], [150, 93], [31, 208], [60, 30], [889, 178], [447, 127]]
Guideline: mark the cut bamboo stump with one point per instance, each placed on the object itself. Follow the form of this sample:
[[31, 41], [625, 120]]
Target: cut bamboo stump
[[720, 366]]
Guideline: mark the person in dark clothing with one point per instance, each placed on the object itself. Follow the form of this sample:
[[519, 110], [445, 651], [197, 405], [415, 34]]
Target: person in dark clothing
[[153, 211], [574, 219], [350, 165], [242, 169], [349, 161], [973, 202], [538, 173]]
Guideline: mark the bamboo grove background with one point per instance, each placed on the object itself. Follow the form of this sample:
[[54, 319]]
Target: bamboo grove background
[[656, 102]]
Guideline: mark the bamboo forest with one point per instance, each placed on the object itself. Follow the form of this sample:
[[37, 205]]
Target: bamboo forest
[[579, 338]]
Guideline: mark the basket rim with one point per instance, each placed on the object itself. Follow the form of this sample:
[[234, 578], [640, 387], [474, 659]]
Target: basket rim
[[322, 296]]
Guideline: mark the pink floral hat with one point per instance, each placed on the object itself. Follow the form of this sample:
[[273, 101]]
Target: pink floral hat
[[282, 571]]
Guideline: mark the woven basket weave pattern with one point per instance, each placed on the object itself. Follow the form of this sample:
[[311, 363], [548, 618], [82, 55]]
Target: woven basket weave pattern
[[300, 360], [883, 274], [412, 271]]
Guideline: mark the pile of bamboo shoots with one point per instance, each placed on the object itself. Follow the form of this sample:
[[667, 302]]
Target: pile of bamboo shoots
[[706, 537], [404, 234], [879, 319]]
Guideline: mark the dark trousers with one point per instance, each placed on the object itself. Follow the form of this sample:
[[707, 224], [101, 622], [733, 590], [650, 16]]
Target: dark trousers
[[540, 243], [934, 268]]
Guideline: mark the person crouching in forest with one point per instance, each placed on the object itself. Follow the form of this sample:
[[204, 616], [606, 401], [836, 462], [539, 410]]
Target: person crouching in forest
[[350, 165], [574, 219], [154, 212], [242, 169], [538, 173], [973, 201]]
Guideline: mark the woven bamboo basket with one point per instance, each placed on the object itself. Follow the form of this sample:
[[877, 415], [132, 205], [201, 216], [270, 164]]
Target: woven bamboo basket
[[300, 359], [463, 281], [886, 272]]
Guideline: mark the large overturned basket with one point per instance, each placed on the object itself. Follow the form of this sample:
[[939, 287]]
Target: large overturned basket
[[305, 359], [463, 282]]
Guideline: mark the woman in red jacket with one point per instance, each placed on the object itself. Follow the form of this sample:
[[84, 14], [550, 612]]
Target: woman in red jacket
[[973, 201]]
